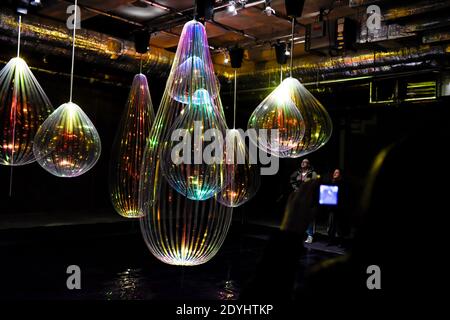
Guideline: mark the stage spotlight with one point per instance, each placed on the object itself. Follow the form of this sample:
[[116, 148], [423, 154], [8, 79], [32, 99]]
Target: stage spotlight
[[142, 41], [280, 51], [268, 11], [22, 6], [232, 8]]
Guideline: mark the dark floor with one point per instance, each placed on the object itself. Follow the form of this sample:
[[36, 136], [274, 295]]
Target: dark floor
[[115, 264]]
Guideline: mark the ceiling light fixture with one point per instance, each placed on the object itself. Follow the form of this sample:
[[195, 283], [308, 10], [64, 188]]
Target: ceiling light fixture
[[226, 59], [232, 8], [268, 11]]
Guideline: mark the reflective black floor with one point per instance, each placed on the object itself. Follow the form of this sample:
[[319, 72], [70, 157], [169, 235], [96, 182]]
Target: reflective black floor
[[116, 265]]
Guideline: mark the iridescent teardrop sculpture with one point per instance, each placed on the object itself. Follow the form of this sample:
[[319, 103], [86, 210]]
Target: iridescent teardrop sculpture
[[191, 175], [67, 144], [242, 174], [316, 126], [23, 108], [283, 121], [178, 230], [128, 149], [317, 121]]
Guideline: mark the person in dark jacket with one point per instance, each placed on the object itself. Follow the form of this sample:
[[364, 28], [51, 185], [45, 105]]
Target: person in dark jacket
[[304, 173], [298, 177], [337, 223]]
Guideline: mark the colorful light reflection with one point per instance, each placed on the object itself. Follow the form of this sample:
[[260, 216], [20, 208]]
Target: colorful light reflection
[[242, 176], [195, 180], [178, 230], [128, 149], [67, 144], [278, 112], [23, 108]]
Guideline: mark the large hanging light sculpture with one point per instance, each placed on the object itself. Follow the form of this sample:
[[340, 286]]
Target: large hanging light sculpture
[[128, 149], [67, 144], [176, 229], [23, 108], [242, 174], [195, 88], [297, 136]]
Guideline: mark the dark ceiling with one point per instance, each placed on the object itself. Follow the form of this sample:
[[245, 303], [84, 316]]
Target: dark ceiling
[[249, 28]]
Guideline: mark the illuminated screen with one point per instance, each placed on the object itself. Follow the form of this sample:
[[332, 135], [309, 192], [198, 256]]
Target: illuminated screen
[[328, 195]]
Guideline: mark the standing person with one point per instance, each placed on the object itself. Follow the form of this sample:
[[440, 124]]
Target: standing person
[[335, 214], [304, 174]]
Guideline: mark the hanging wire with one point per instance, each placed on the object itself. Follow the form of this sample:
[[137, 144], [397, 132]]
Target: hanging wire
[[140, 64], [14, 115], [292, 45], [234, 102], [73, 49], [317, 78], [18, 36], [281, 73], [195, 10]]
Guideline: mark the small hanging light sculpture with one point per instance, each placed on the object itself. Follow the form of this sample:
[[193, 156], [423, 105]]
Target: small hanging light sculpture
[[176, 229], [67, 144], [299, 133], [128, 149], [23, 108], [278, 112], [317, 122], [242, 174]]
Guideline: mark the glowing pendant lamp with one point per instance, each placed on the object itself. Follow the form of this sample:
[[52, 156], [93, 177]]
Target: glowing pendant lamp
[[195, 88], [281, 119], [128, 149], [67, 144], [299, 133], [242, 176], [317, 122], [176, 229], [23, 108]]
